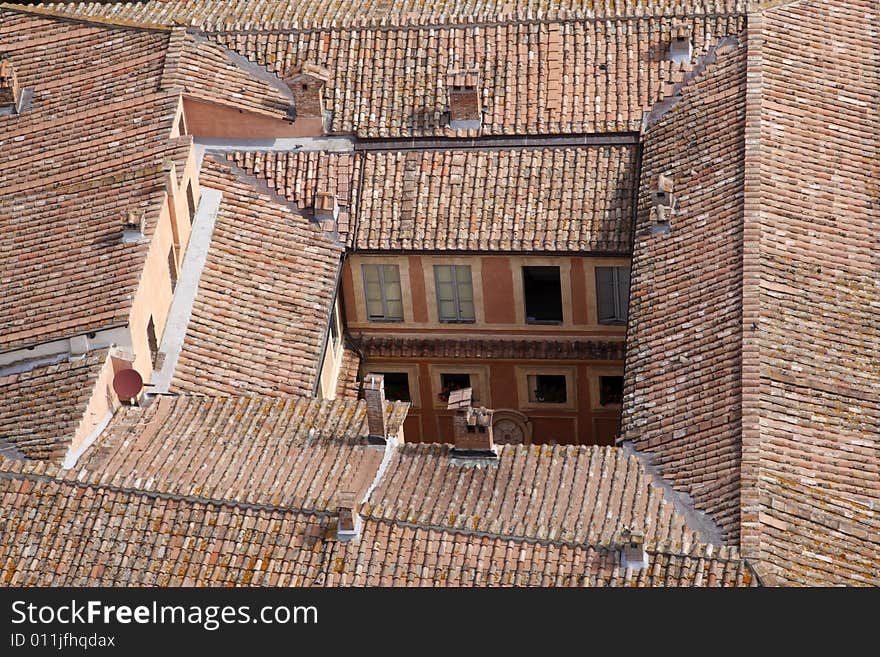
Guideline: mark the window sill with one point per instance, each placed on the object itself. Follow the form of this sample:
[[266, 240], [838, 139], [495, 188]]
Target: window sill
[[384, 320], [544, 322]]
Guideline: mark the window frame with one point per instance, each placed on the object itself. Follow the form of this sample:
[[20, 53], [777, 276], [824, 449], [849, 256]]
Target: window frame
[[533, 388], [456, 301], [523, 375], [380, 268], [619, 318], [525, 299]]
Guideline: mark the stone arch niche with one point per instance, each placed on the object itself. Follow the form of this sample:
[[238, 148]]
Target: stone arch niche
[[511, 427]]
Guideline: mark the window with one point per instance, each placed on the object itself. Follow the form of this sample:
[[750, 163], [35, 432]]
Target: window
[[543, 295], [172, 268], [335, 330], [152, 340], [450, 382], [397, 386], [383, 293], [612, 294], [455, 293], [191, 201], [547, 389], [610, 390]]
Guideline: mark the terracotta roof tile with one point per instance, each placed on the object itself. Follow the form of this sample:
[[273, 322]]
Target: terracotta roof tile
[[59, 533], [685, 306], [402, 347], [73, 162], [204, 70], [544, 199], [817, 336], [293, 453], [286, 14], [348, 385], [583, 495], [391, 81], [40, 410], [260, 316], [298, 176]]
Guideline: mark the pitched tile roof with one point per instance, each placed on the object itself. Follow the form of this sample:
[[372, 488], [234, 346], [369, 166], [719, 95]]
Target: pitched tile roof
[[685, 306], [812, 365], [260, 315], [292, 453], [41, 409], [60, 533], [287, 14], [348, 385], [72, 163], [205, 70], [772, 422], [583, 495], [390, 82], [476, 348], [543, 199], [299, 175], [564, 198]]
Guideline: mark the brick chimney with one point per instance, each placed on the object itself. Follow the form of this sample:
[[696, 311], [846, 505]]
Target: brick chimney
[[347, 524], [326, 210], [374, 394], [465, 111], [307, 86], [10, 94], [472, 427]]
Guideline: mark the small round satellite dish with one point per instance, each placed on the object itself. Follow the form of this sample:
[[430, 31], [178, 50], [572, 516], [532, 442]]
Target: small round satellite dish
[[127, 383]]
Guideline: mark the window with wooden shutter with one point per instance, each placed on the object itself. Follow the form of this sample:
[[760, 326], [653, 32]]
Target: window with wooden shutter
[[612, 294]]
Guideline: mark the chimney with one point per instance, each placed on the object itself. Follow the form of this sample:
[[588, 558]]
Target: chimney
[[348, 521], [374, 394], [133, 226], [465, 112], [472, 427], [662, 195], [632, 549], [326, 210], [10, 94], [307, 86], [680, 47]]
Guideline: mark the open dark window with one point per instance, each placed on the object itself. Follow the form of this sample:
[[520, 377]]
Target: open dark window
[[152, 341], [451, 382], [191, 201], [543, 295], [172, 268], [547, 389], [397, 386], [612, 294], [610, 390]]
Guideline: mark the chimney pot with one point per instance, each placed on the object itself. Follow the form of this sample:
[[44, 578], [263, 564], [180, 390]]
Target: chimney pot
[[374, 395]]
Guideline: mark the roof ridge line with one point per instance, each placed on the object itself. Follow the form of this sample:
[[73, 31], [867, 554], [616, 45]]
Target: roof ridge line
[[697, 551], [456, 22], [99, 21], [154, 494]]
